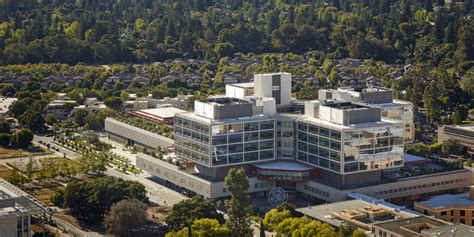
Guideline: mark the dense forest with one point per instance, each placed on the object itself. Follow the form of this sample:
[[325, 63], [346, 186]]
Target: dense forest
[[431, 41], [116, 31]]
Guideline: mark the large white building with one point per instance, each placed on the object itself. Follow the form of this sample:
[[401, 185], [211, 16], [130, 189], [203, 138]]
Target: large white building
[[322, 149]]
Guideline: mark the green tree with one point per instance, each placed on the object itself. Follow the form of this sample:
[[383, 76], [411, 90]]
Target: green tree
[[51, 119], [5, 139], [204, 227], [185, 212], [90, 199], [92, 162], [126, 218], [359, 233], [80, 117], [451, 147], [22, 138], [303, 226], [29, 168], [5, 127], [113, 102], [274, 217], [33, 120], [467, 84], [458, 115], [239, 206], [18, 108]]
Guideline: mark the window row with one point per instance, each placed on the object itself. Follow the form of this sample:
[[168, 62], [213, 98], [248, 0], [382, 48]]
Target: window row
[[419, 186], [238, 148], [241, 137], [316, 191], [317, 130], [198, 127], [192, 135], [242, 157], [241, 127]]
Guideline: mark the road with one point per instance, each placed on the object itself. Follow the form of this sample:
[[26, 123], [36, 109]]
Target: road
[[157, 193], [62, 150]]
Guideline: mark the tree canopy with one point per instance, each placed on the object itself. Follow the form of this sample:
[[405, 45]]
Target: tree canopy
[[90, 199]]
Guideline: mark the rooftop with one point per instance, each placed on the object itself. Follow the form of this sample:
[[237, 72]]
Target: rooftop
[[5, 103], [22, 199], [469, 127], [446, 200], [411, 226], [343, 105], [450, 231], [243, 85], [359, 211], [223, 101], [161, 113]]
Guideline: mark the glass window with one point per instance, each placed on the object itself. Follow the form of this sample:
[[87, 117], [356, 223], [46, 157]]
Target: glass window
[[335, 166], [219, 140], [219, 160], [266, 145], [335, 145], [235, 158], [266, 155], [324, 142], [351, 167], [312, 149], [251, 146], [235, 138], [236, 148], [302, 156], [252, 136], [335, 135], [335, 155], [313, 159], [266, 135], [313, 129], [323, 163], [204, 128], [302, 146], [323, 132], [251, 156], [266, 125], [302, 136], [235, 128], [251, 126], [324, 153], [219, 129], [312, 139], [220, 150], [302, 126]]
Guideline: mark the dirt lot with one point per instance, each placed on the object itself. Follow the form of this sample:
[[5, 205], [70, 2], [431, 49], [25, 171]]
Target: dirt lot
[[5, 171], [45, 192], [7, 152], [158, 213]]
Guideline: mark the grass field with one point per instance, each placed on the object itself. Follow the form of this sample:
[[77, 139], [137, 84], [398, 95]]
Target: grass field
[[5, 171]]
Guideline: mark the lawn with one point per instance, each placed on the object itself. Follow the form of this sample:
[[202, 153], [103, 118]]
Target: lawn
[[5, 171]]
